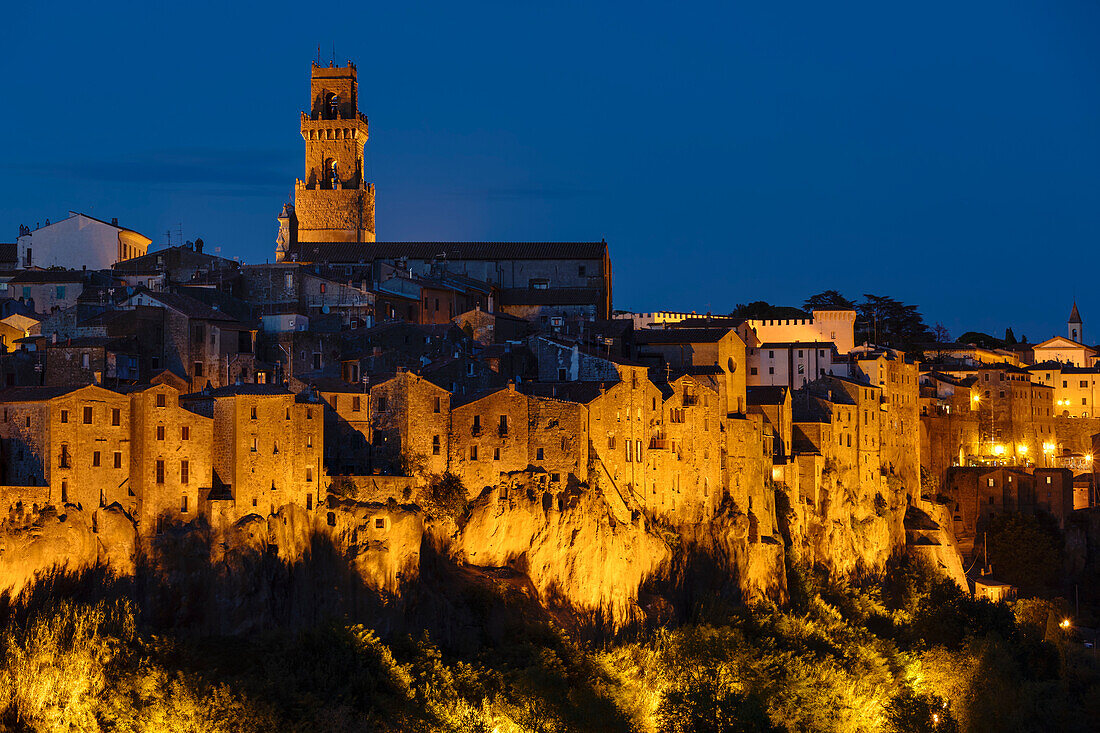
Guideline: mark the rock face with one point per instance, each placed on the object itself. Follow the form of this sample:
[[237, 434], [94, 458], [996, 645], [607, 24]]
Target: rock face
[[571, 545], [65, 538]]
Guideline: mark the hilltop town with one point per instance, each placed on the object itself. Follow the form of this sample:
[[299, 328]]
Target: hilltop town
[[486, 397]]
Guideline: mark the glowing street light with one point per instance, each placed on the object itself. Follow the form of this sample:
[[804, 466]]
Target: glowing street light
[[1065, 623], [999, 450], [1048, 447], [1021, 449]]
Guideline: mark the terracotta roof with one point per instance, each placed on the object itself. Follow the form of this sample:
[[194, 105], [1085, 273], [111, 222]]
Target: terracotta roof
[[49, 276], [680, 335], [766, 395], [580, 392], [35, 394], [550, 296], [188, 306], [354, 252]]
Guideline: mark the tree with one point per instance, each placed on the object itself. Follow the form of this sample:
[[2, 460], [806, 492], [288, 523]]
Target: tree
[[1010, 338], [942, 335], [756, 309], [889, 322], [828, 299]]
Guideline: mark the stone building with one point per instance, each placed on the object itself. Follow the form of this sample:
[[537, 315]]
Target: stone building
[[681, 348], [92, 360], [48, 290], [267, 448], [409, 422], [203, 343], [75, 440], [171, 455]]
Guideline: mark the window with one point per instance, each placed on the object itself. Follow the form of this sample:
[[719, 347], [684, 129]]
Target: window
[[252, 413], [438, 405], [496, 454], [990, 482], [86, 361], [287, 414], [118, 459], [160, 471], [771, 354], [309, 413], [629, 451], [752, 371], [116, 416], [255, 445], [473, 452], [183, 503], [381, 404], [638, 451], [309, 473], [162, 401], [771, 370], [198, 369], [63, 461], [435, 445], [185, 472], [1084, 382], [477, 425], [64, 492], [64, 418], [539, 454], [379, 522], [309, 502], [580, 271], [95, 459], [355, 404], [160, 432], [309, 441], [87, 415], [503, 424], [185, 432], [1048, 479]]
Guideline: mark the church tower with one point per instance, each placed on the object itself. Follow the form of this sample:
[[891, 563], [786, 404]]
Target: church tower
[[1075, 327], [333, 203]]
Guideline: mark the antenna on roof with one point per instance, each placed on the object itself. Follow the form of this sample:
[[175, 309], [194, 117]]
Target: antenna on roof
[[333, 61], [318, 54]]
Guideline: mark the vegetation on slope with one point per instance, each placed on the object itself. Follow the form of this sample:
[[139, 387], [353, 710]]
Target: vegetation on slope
[[905, 651]]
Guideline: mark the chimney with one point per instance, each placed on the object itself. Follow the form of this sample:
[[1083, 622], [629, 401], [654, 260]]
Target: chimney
[[198, 245], [114, 221]]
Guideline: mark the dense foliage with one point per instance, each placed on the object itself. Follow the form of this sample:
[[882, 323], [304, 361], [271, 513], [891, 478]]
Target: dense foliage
[[903, 652]]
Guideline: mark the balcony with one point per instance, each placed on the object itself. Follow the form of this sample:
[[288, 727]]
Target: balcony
[[658, 443]]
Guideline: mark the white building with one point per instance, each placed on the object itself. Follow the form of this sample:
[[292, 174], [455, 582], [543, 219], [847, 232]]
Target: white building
[[79, 241], [788, 364], [789, 325]]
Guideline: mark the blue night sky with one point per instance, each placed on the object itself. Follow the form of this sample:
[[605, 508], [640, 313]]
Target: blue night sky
[[943, 153]]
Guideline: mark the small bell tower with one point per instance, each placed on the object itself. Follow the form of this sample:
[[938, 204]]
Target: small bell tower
[[1075, 328]]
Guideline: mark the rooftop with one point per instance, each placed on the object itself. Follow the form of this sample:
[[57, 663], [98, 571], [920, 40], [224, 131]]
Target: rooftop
[[356, 252]]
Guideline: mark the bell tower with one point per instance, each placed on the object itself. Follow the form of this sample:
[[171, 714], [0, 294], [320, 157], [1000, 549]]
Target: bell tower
[[1074, 327], [333, 203]]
